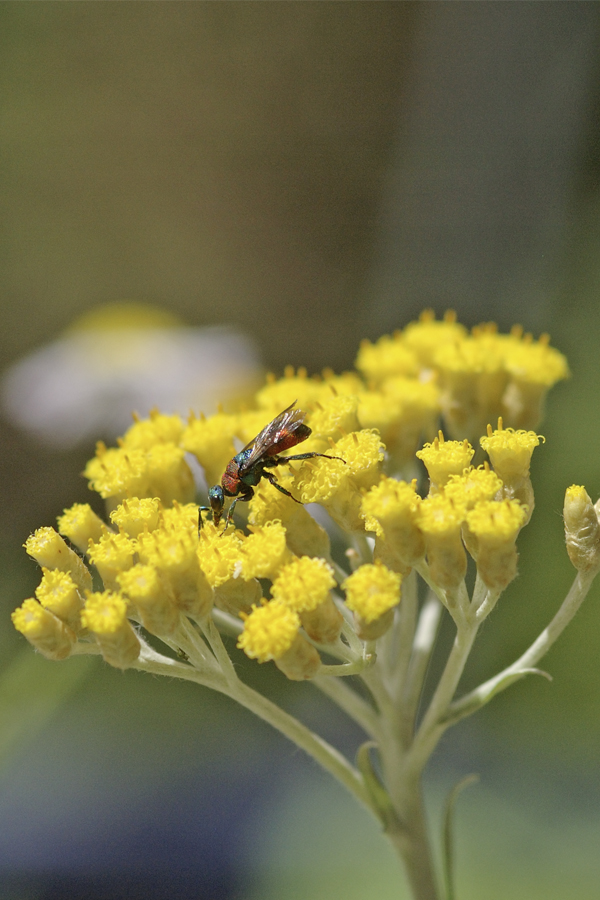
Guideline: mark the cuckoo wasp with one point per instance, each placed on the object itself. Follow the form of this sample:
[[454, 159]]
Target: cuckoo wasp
[[246, 469]]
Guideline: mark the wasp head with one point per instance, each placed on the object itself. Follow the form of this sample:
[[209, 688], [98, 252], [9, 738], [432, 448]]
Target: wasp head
[[216, 499]]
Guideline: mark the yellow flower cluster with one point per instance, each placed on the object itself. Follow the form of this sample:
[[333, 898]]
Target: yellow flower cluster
[[154, 567]]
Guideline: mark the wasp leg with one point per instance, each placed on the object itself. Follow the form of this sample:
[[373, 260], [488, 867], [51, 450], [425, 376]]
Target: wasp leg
[[286, 459], [270, 477], [244, 496]]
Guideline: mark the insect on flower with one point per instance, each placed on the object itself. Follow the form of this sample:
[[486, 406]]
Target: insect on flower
[[246, 469]]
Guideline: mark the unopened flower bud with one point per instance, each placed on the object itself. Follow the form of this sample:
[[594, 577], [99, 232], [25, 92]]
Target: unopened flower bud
[[49, 549], [44, 630], [105, 614], [582, 531]]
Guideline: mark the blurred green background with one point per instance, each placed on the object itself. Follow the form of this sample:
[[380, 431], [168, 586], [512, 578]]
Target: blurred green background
[[311, 173]]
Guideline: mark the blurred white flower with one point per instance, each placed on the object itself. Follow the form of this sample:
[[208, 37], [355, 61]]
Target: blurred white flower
[[120, 358]]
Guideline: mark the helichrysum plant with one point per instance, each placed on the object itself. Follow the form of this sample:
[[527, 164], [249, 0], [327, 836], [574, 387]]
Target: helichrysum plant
[[149, 589]]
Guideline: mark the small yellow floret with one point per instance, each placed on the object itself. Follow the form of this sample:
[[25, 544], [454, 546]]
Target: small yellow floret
[[264, 551], [426, 336], [277, 394], [104, 612], [473, 486], [58, 592], [536, 362], [144, 586], [372, 590], [158, 429], [169, 476], [388, 357], [80, 524], [219, 554], [303, 584], [269, 631], [496, 522], [211, 442], [439, 516], [445, 458], [390, 504], [510, 451], [43, 630], [117, 472], [136, 515], [334, 417], [112, 554], [49, 549]]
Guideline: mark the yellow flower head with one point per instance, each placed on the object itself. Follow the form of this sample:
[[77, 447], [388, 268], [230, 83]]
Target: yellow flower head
[[80, 524], [137, 515], [334, 417], [510, 451], [45, 631], [388, 357], [158, 429], [104, 613], [269, 631], [181, 517], [211, 442], [265, 551], [112, 554], [220, 554], [143, 585], [445, 458], [426, 336], [440, 517], [536, 362], [118, 472], [304, 535], [372, 590], [389, 505], [495, 523], [277, 394], [169, 476], [473, 486], [58, 592], [49, 549], [303, 584], [336, 484]]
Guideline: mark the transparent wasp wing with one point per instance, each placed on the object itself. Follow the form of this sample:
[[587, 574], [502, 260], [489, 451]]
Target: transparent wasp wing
[[271, 435]]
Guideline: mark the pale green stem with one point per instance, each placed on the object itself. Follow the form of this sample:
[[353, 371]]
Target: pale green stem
[[362, 547], [343, 669], [428, 734], [425, 637], [327, 756], [483, 694], [218, 648], [487, 605], [226, 623], [399, 647], [353, 705]]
